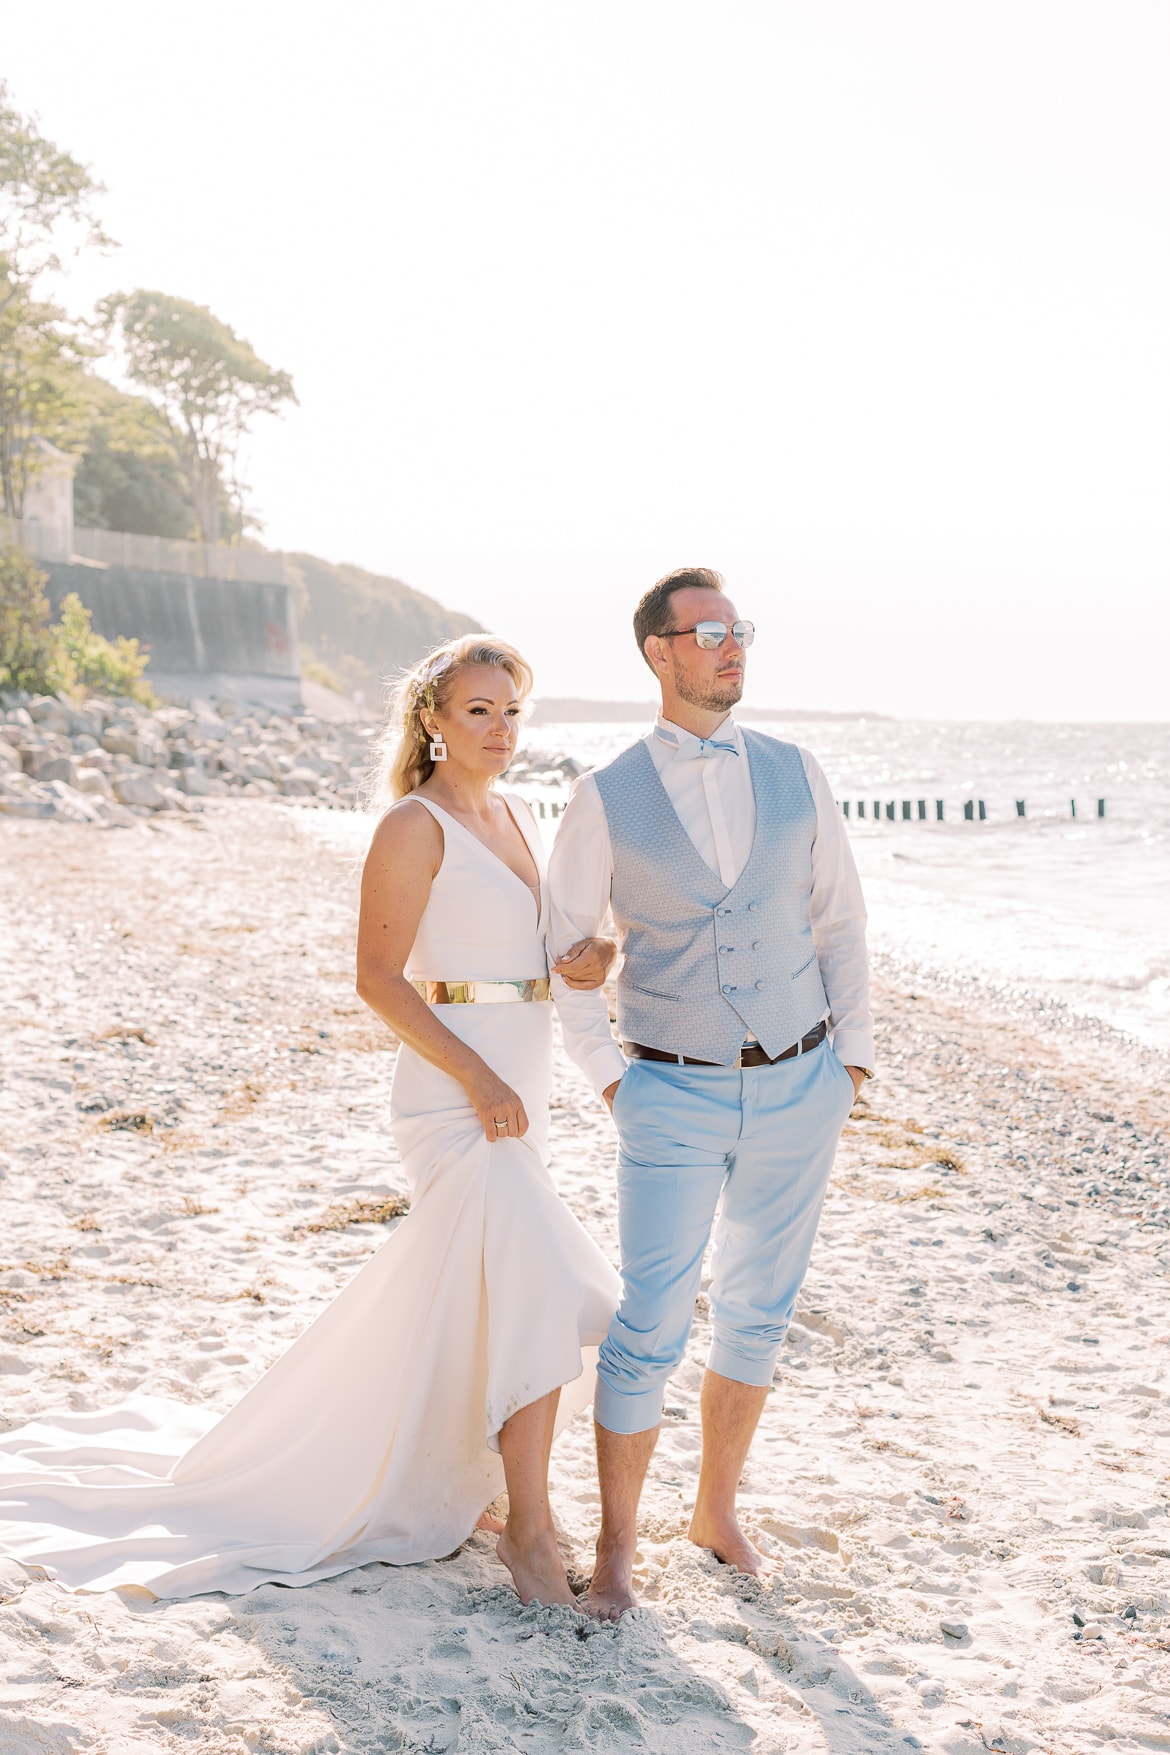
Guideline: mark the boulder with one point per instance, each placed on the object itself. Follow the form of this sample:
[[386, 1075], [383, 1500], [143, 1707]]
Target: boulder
[[139, 790], [66, 720], [11, 805], [57, 768], [10, 762], [70, 804], [114, 815], [120, 740], [193, 781], [93, 782], [300, 783], [49, 713]]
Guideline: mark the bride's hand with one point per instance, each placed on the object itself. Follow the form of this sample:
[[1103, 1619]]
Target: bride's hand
[[586, 964], [495, 1101]]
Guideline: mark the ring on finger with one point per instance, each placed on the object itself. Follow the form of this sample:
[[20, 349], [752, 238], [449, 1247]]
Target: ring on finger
[[502, 1126]]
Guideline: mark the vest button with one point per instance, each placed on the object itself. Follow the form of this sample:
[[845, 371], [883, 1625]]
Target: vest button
[[727, 989], [756, 944], [726, 950], [752, 907], [759, 984]]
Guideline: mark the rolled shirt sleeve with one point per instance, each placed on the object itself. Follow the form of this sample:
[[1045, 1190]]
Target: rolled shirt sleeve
[[579, 874], [837, 914]]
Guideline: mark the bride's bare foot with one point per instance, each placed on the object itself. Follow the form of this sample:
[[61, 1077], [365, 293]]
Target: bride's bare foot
[[493, 1525], [728, 1543], [537, 1569]]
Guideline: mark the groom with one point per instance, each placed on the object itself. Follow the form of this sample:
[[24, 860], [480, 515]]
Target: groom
[[743, 1008]]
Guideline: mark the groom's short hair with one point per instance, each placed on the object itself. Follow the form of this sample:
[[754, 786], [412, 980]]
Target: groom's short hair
[[655, 612]]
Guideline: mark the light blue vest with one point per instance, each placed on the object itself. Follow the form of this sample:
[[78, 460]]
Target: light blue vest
[[706, 965]]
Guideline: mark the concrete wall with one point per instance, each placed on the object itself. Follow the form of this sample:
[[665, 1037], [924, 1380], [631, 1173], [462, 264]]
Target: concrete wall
[[205, 636]]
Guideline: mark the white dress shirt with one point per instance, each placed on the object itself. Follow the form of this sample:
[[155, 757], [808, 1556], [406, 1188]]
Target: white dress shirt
[[712, 794]]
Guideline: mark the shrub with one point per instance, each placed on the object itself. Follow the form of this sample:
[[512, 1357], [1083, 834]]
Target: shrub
[[87, 661], [46, 657], [28, 645]]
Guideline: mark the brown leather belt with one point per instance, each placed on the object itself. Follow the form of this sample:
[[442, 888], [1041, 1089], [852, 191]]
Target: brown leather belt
[[753, 1056]]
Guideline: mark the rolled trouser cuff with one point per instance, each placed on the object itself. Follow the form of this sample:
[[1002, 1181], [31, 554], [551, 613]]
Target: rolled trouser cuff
[[755, 1368], [627, 1413]]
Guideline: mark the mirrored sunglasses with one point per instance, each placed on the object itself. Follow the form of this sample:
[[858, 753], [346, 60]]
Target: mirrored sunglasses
[[711, 635]]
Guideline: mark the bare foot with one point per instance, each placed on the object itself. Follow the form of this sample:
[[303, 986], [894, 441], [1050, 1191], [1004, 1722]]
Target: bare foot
[[611, 1589], [492, 1524], [537, 1570], [729, 1545]]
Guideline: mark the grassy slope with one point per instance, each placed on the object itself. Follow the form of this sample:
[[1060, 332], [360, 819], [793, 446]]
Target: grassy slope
[[364, 627]]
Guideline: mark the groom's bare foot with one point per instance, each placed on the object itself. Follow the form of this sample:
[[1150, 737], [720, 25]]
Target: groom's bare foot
[[537, 1570], [611, 1589], [493, 1525], [722, 1534]]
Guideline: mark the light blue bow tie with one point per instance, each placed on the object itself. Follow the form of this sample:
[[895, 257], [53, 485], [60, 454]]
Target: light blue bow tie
[[694, 747]]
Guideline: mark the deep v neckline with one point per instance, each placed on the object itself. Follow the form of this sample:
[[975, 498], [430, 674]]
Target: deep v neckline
[[536, 896]]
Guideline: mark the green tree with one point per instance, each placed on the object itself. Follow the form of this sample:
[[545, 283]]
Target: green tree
[[207, 383], [44, 391], [28, 645], [128, 477], [46, 212], [46, 203]]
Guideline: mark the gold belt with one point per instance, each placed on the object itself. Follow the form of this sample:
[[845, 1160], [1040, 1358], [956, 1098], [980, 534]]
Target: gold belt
[[482, 992]]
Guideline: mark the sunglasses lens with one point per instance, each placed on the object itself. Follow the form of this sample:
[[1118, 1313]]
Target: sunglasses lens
[[711, 635]]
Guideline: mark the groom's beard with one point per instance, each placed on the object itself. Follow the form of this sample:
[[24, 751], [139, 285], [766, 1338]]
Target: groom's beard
[[713, 697]]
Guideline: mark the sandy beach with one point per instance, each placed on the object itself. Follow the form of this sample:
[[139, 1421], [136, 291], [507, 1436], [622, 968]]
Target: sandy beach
[[964, 1469]]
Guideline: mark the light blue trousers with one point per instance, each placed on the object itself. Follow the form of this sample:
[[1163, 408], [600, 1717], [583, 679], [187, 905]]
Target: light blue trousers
[[763, 1139]]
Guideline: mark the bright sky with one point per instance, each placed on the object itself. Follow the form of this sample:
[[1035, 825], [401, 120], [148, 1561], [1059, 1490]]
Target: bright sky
[[862, 301]]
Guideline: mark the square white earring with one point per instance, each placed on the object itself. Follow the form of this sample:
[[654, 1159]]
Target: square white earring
[[438, 751]]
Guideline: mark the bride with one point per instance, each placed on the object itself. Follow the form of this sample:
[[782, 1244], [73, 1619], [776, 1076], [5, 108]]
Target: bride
[[443, 1371]]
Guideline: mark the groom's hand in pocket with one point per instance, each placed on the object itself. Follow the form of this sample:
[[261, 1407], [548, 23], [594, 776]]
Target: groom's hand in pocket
[[609, 1093]]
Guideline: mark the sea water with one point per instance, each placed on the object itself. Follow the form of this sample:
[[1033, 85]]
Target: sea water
[[1067, 914]]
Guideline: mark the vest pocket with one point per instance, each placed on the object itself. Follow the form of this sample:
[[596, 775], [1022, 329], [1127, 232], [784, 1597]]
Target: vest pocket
[[805, 965], [651, 992]]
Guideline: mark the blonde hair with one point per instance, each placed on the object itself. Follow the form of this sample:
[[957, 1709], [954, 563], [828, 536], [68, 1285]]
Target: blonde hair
[[402, 752]]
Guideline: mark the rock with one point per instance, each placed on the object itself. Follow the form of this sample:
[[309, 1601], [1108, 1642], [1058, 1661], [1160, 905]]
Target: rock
[[139, 790], [300, 783], [57, 768], [92, 780], [954, 1629], [112, 815], [19, 716], [9, 759], [71, 804], [193, 781], [121, 741], [1093, 1630], [50, 714], [12, 806]]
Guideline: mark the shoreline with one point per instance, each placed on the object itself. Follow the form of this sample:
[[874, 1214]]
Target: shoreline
[[969, 1421]]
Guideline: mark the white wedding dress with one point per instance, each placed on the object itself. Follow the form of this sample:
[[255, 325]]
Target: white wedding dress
[[375, 1437]]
